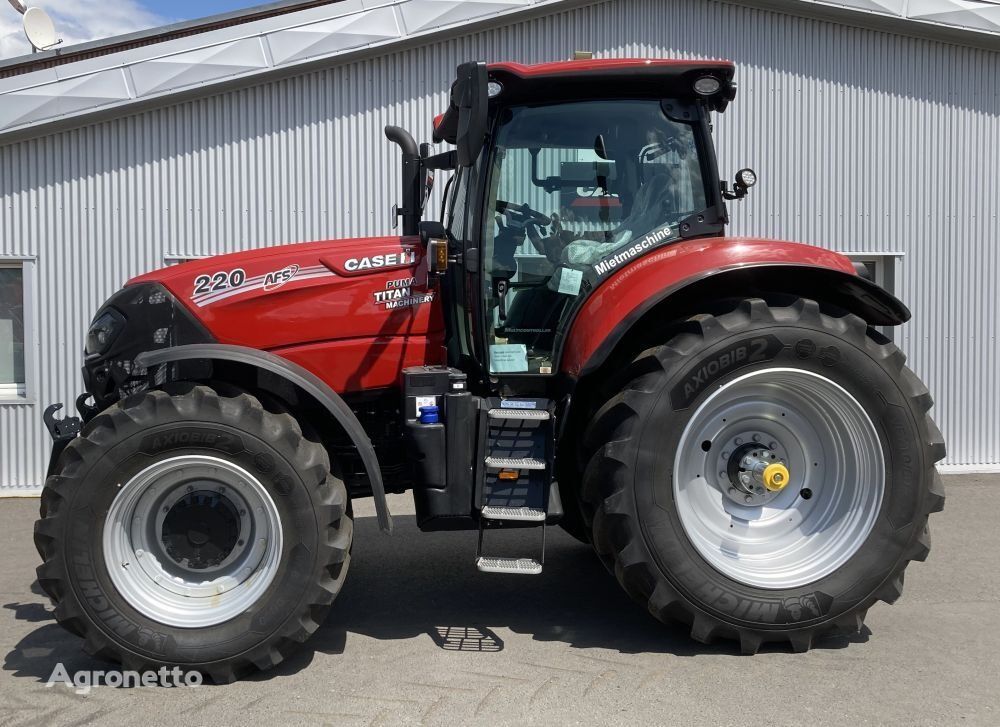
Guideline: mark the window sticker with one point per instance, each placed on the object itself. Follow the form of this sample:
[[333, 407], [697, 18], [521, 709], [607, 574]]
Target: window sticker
[[569, 281], [508, 358]]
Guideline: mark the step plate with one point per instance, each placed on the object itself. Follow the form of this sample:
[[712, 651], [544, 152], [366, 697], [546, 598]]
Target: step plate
[[533, 414], [524, 566], [512, 463], [524, 514]]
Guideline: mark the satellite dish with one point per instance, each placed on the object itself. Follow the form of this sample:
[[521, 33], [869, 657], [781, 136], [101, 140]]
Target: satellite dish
[[39, 28]]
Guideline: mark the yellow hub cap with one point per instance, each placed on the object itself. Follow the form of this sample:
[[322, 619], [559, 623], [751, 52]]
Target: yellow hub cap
[[776, 477]]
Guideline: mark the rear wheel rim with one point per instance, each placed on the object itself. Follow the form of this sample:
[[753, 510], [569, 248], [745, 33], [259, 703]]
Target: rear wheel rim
[[192, 541], [824, 515]]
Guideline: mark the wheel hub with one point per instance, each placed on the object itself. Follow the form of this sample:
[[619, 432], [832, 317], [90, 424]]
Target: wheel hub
[[755, 469], [201, 530]]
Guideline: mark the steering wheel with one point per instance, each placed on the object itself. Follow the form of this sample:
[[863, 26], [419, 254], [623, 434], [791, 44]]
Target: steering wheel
[[522, 214], [531, 221]]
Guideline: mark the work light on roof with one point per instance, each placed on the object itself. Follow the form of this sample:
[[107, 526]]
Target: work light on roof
[[493, 89], [746, 178], [707, 85]]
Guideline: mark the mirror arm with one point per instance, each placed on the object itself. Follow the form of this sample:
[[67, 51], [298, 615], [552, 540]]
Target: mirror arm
[[445, 160]]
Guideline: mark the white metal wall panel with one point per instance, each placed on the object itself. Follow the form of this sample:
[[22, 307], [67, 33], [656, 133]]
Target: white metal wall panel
[[863, 141]]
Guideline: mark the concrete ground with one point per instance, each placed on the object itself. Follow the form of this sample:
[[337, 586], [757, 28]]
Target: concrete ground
[[418, 636]]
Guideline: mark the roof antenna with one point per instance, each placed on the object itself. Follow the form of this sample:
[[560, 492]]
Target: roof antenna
[[38, 27]]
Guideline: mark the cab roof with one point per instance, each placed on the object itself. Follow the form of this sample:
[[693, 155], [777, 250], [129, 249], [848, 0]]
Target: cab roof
[[581, 80]]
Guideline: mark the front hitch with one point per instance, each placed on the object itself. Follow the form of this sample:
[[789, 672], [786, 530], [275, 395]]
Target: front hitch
[[63, 431]]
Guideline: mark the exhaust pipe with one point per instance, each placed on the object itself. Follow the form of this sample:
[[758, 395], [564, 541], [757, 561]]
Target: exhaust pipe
[[412, 183]]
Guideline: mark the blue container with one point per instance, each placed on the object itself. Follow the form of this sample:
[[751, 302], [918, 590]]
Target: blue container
[[429, 414]]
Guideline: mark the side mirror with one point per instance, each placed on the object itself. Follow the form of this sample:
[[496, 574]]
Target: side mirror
[[745, 179], [600, 148], [435, 239], [470, 96], [428, 187]]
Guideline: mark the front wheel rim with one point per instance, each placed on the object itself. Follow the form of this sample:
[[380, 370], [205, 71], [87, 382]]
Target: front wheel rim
[[824, 515], [192, 541]]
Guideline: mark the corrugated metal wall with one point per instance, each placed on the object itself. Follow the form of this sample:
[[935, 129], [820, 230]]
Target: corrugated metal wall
[[863, 141]]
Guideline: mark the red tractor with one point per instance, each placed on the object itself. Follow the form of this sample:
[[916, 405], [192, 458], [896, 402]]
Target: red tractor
[[576, 341]]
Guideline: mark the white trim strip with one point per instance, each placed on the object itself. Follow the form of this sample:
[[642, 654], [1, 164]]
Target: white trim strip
[[249, 288]]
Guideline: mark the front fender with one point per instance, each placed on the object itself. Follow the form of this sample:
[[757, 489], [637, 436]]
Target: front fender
[[304, 379], [715, 268]]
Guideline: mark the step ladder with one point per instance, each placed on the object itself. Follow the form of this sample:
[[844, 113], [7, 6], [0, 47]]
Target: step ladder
[[516, 483]]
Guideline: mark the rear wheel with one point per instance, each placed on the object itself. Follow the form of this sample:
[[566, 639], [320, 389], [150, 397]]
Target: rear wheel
[[765, 476], [193, 530]]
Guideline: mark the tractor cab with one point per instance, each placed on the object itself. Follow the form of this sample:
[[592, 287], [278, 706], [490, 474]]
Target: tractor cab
[[564, 172]]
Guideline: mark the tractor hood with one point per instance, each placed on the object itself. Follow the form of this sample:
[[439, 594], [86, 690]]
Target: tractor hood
[[292, 294], [354, 312]]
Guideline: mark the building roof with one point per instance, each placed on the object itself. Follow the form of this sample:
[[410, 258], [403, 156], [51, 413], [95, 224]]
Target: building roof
[[104, 46], [204, 55]]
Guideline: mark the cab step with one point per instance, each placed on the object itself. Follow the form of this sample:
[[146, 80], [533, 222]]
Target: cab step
[[515, 489], [540, 415], [515, 463], [522, 566], [522, 514]]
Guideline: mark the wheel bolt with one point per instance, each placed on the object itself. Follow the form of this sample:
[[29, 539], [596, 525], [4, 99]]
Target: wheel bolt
[[756, 437], [725, 454], [773, 445], [748, 499], [738, 440], [722, 475]]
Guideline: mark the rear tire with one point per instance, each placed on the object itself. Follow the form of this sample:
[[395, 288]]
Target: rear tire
[[193, 530], [667, 522]]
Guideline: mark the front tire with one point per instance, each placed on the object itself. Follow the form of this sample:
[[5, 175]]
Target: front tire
[[675, 491], [193, 530]]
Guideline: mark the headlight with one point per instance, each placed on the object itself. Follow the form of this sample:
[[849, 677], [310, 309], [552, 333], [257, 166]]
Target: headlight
[[103, 331]]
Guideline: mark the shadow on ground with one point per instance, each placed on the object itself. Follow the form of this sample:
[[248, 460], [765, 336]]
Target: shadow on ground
[[416, 584]]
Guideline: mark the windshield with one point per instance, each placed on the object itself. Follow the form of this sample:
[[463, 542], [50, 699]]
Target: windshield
[[575, 190]]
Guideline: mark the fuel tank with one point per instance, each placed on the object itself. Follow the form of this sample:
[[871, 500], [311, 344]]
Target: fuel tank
[[354, 312]]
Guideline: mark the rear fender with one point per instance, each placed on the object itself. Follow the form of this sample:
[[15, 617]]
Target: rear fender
[[300, 377], [672, 281]]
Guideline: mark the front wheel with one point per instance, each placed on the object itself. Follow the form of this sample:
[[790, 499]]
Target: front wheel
[[765, 476], [194, 530]]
